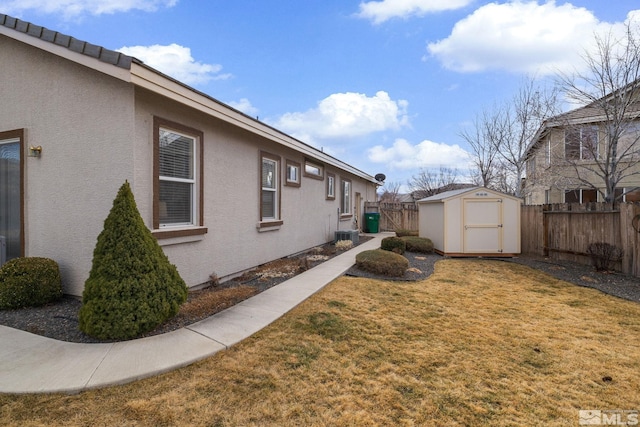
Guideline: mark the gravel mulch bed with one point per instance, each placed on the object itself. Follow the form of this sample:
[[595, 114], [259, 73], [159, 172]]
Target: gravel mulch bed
[[60, 319], [613, 283], [420, 268]]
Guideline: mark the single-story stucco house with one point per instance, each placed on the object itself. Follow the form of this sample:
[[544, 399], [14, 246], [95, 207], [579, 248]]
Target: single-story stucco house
[[221, 191]]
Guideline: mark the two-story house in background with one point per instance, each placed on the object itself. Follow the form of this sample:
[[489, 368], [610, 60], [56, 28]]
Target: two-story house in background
[[571, 157]]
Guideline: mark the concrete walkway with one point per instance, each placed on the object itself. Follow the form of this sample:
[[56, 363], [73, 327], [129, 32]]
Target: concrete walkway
[[33, 364]]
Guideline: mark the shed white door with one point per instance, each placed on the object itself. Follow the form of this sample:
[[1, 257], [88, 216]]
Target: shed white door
[[482, 226]]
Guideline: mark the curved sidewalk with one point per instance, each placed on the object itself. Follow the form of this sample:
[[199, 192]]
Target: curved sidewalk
[[34, 364]]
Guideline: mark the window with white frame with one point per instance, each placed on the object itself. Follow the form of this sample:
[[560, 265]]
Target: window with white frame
[[270, 188], [629, 195], [580, 196], [178, 165], [345, 201]]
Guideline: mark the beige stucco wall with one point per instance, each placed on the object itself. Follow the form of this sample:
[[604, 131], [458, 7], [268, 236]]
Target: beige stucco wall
[[96, 131], [233, 242], [83, 120]]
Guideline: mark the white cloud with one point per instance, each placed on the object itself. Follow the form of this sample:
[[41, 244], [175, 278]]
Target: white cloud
[[427, 154], [74, 8], [381, 11], [245, 106], [520, 37], [346, 115], [177, 62]]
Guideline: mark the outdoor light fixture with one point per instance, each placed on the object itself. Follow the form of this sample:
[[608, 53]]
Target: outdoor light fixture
[[35, 151]]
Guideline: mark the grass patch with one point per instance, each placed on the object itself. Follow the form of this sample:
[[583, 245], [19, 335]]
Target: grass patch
[[476, 344]]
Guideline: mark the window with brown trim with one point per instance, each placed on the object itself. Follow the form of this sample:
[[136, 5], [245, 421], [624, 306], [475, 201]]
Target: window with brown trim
[[12, 193], [269, 190], [331, 186], [292, 174], [313, 170], [345, 197], [178, 172]]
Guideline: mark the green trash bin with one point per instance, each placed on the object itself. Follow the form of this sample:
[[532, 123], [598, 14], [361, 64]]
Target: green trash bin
[[372, 222]]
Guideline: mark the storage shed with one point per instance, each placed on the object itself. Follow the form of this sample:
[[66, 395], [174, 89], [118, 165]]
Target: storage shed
[[471, 222]]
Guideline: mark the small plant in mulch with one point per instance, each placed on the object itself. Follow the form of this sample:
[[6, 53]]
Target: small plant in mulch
[[280, 268], [604, 255], [29, 282], [344, 245], [393, 244], [418, 244], [379, 261]]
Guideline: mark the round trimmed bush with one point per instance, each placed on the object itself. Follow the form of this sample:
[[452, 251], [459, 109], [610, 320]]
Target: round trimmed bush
[[418, 244], [393, 244], [379, 261], [29, 282]]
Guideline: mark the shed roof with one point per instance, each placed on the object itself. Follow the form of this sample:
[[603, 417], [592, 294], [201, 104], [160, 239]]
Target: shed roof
[[441, 197], [133, 70]]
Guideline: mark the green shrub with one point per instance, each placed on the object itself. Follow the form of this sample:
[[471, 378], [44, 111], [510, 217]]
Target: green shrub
[[402, 232], [418, 244], [29, 282], [132, 287], [383, 262], [604, 255], [393, 244]]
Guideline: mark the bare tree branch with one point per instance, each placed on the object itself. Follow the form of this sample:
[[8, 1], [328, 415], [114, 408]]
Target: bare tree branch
[[391, 192], [603, 136], [429, 182]]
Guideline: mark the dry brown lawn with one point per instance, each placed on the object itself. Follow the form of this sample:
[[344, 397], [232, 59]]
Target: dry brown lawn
[[478, 343]]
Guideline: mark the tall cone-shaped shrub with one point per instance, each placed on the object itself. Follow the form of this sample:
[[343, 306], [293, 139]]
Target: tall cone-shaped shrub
[[132, 287]]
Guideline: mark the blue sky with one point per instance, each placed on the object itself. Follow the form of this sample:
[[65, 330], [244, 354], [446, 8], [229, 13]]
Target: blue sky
[[386, 86]]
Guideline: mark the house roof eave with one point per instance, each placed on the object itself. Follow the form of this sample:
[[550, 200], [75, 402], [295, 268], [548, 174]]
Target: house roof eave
[[89, 55], [132, 70], [151, 79]]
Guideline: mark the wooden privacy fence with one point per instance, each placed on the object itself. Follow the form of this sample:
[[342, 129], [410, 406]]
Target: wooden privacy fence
[[395, 216], [564, 231]]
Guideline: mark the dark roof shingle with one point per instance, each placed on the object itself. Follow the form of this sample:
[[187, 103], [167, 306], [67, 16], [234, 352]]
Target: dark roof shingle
[[100, 53]]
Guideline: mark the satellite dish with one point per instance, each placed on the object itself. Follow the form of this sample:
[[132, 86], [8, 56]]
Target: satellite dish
[[380, 177]]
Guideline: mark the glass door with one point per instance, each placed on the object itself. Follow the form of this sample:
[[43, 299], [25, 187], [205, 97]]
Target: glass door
[[10, 211]]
